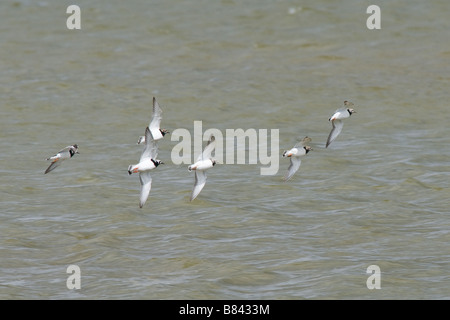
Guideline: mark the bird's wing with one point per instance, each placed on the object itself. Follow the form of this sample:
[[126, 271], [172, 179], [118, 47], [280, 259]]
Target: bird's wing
[[62, 154], [303, 142], [293, 167], [53, 165], [151, 147], [348, 104], [157, 116], [146, 185], [206, 154], [337, 128], [200, 181], [66, 149]]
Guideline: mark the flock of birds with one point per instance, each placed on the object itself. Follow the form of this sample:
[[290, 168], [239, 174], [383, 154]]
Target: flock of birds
[[153, 133]]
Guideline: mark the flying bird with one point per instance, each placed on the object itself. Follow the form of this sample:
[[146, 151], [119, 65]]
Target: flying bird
[[336, 120], [204, 162], [300, 149], [66, 153], [146, 163], [155, 123]]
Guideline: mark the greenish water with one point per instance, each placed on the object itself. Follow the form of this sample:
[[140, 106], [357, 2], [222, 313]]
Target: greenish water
[[378, 195]]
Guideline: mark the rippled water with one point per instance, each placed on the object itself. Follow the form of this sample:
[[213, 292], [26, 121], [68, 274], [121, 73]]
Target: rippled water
[[377, 196]]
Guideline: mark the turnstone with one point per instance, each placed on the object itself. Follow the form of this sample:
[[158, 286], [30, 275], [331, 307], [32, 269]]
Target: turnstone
[[300, 149], [155, 123], [336, 120], [204, 162], [146, 163], [66, 153]]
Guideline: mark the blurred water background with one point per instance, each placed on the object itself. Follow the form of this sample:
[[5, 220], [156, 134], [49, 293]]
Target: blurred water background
[[379, 195]]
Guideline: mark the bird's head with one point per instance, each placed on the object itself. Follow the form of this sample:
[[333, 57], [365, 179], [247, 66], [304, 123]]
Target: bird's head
[[157, 162], [164, 132]]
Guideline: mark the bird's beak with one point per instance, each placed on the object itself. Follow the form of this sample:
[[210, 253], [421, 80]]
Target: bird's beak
[[161, 163]]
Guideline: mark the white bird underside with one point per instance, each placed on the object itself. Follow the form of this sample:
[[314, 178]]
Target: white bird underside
[[294, 154], [336, 121], [144, 166]]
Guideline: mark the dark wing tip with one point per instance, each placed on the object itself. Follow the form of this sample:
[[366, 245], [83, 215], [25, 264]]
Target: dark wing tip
[[50, 168]]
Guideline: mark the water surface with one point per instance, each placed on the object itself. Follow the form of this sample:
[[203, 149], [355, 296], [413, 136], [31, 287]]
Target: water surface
[[378, 195]]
